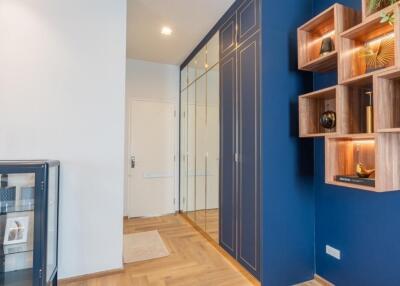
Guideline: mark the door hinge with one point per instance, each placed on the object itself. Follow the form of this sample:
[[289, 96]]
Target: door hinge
[[40, 274], [42, 185]]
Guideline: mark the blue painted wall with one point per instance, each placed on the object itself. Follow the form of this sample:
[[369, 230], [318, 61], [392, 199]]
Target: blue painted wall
[[364, 226], [287, 196]]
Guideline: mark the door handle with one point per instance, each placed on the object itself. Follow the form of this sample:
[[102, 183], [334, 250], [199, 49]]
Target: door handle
[[133, 162]]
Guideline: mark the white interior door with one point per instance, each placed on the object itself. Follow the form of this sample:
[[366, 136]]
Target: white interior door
[[151, 175]]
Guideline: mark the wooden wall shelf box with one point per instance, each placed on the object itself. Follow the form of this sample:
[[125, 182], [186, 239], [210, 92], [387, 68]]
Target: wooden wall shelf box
[[349, 143], [344, 152], [312, 105], [366, 14], [330, 23], [387, 101], [351, 64], [353, 102]]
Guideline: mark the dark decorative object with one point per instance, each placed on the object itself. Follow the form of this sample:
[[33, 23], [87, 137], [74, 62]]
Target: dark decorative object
[[4, 180], [328, 119], [327, 46], [363, 172]]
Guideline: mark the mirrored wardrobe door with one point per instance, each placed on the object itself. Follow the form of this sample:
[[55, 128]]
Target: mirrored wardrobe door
[[212, 146], [183, 151], [191, 152], [201, 92], [213, 51]]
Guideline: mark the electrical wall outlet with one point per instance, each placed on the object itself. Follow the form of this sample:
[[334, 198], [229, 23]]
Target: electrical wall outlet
[[332, 252]]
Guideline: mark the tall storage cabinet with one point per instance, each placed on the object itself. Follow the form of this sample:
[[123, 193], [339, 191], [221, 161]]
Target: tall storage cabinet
[[241, 135], [29, 223]]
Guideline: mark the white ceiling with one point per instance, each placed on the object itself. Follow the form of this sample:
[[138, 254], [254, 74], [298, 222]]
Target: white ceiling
[[190, 21]]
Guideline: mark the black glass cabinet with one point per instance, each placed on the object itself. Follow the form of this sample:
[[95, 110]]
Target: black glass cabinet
[[29, 200]]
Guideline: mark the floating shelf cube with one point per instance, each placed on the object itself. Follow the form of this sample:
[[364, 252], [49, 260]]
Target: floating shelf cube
[[312, 105], [354, 102], [371, 36], [329, 23], [387, 97], [343, 153], [367, 14]]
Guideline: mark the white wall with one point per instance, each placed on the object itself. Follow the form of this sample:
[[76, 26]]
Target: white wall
[[154, 82], [62, 78]]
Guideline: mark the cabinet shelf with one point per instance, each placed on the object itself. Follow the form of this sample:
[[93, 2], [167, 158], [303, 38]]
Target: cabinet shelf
[[312, 105], [17, 278], [387, 97], [343, 153], [329, 24], [370, 37], [16, 207], [15, 249]]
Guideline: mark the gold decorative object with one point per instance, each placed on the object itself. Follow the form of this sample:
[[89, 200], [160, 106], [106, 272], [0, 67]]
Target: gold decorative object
[[369, 113], [378, 53], [362, 172]]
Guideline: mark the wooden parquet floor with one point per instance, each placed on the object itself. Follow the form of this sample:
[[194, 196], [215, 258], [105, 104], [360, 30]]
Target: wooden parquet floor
[[193, 260]]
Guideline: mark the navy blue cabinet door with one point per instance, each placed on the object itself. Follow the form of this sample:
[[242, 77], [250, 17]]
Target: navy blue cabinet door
[[248, 60], [227, 36], [228, 147], [248, 19]]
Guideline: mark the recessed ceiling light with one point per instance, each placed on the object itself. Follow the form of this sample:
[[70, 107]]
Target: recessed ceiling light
[[167, 31]]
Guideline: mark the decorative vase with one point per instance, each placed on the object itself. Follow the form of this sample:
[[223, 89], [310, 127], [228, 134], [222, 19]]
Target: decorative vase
[[328, 119], [327, 46], [369, 114]]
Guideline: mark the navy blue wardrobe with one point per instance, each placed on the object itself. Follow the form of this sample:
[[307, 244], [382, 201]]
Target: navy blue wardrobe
[[240, 89]]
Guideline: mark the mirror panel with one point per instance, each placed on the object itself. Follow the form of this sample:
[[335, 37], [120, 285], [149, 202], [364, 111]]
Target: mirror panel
[[212, 146], [199, 140], [184, 78], [183, 151], [191, 71], [201, 149], [213, 51], [200, 61], [191, 152]]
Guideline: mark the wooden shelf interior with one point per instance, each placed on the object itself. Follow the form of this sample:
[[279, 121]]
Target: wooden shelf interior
[[311, 106], [344, 153], [310, 37], [387, 98], [354, 102], [366, 12], [371, 36], [387, 164]]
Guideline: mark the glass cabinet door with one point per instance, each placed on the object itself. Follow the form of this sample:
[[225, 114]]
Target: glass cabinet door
[[183, 151], [52, 222], [201, 151], [17, 204], [191, 152], [212, 146]]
